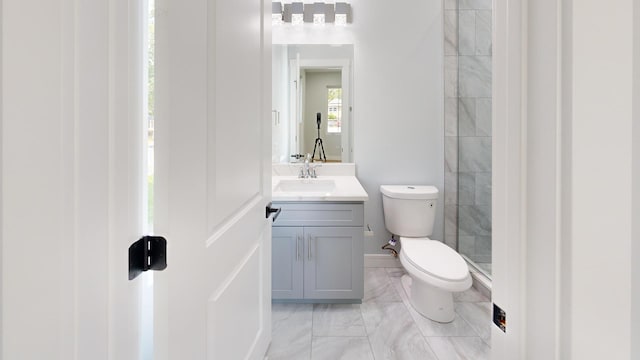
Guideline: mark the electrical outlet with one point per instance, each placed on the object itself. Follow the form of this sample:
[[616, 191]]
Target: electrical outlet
[[368, 233], [500, 318]]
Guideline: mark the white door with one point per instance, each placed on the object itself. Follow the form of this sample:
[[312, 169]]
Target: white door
[[70, 181], [213, 179]]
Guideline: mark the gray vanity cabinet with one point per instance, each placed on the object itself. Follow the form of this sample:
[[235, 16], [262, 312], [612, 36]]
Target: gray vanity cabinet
[[287, 263], [323, 261]]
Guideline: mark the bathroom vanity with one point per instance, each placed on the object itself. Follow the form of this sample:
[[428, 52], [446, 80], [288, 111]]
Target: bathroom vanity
[[317, 241]]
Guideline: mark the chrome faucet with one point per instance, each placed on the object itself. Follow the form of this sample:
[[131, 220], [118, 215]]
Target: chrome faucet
[[308, 170]]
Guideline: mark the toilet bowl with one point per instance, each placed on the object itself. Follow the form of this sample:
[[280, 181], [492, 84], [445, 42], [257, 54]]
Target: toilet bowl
[[436, 270]]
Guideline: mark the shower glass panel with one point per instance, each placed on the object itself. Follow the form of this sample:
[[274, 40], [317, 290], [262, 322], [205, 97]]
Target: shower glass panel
[[468, 25]]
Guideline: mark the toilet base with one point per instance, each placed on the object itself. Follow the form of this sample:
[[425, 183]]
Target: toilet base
[[431, 302]]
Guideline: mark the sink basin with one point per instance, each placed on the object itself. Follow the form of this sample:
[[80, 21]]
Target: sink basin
[[306, 185]]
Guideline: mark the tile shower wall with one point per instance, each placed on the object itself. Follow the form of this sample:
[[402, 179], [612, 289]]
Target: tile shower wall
[[467, 49]]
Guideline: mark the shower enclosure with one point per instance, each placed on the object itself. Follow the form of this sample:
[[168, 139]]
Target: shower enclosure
[[468, 98]]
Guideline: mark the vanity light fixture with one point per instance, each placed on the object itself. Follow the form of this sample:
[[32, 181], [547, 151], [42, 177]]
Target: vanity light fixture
[[297, 13], [343, 13], [318, 13], [276, 13]]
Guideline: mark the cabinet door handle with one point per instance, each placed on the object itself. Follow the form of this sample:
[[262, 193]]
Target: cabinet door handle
[[309, 247], [298, 248]]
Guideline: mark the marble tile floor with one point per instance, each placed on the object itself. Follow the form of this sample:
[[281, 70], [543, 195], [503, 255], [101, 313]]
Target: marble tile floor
[[384, 327]]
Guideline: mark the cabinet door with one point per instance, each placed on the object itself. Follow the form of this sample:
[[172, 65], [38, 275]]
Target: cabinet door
[[333, 263], [287, 263]]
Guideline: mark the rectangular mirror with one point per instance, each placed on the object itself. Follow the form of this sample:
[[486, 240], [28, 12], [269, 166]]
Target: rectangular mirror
[[311, 103]]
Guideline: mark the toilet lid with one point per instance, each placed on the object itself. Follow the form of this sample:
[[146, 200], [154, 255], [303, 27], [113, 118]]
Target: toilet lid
[[435, 258]]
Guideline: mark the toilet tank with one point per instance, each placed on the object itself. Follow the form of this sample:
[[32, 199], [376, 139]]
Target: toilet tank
[[409, 210]]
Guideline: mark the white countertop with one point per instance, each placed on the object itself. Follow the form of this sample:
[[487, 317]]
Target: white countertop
[[347, 188]]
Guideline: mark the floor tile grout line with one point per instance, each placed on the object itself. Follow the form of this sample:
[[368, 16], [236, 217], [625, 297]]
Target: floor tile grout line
[[430, 347], [476, 331]]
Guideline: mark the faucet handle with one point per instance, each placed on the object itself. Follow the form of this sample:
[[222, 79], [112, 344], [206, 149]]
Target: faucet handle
[[312, 170]]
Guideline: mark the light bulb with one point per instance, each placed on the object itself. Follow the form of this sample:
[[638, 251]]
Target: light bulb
[[297, 19], [276, 19], [341, 19]]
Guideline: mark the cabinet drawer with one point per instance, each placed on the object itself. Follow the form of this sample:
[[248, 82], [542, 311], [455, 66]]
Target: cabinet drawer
[[315, 214]]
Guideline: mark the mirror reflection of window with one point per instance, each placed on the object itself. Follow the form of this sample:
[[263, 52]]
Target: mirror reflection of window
[[334, 109]]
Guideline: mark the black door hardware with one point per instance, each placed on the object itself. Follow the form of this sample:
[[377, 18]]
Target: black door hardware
[[271, 210], [148, 253]]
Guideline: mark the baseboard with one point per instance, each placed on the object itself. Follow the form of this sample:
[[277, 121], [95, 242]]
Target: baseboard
[[381, 260], [481, 283]]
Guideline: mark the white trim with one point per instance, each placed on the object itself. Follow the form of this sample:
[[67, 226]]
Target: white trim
[[381, 260], [1, 188], [508, 275]]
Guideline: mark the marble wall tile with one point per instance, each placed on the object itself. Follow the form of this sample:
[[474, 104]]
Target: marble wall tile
[[466, 245], [466, 188], [337, 320], [483, 32], [468, 125], [393, 334], [481, 260], [451, 153], [451, 32], [451, 220], [378, 287], [474, 220], [451, 117], [466, 116], [291, 327], [483, 245], [460, 348], [341, 348], [475, 4], [450, 187], [466, 32], [451, 76], [478, 315], [475, 76], [483, 188], [483, 117], [474, 154]]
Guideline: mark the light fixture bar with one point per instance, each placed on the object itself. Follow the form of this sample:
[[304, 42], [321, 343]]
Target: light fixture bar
[[276, 13], [317, 13]]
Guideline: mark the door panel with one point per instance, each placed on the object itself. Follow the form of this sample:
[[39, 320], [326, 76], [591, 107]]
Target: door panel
[[213, 167], [287, 264], [333, 267], [71, 139]]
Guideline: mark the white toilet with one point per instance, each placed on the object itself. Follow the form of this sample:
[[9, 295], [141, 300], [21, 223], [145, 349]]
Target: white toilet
[[436, 270]]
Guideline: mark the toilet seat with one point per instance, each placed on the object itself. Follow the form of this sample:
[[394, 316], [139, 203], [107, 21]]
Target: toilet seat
[[435, 259]]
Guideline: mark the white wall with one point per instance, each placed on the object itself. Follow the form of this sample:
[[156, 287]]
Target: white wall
[[316, 84], [398, 103], [280, 102], [398, 129], [601, 159]]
